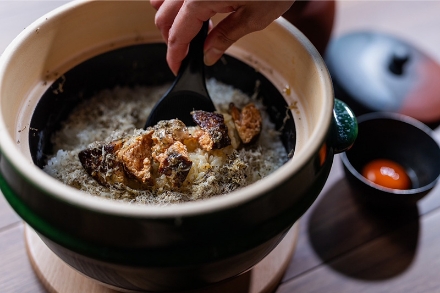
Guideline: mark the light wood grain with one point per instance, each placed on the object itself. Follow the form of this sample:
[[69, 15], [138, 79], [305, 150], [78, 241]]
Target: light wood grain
[[7, 215], [336, 223], [16, 274], [390, 263], [58, 277]]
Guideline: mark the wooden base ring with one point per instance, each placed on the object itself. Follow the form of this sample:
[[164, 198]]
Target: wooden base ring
[[58, 277]]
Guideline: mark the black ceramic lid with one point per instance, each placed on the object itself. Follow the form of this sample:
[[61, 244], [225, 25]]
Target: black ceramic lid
[[373, 71]]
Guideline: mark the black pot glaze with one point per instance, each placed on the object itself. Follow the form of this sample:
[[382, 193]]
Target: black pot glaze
[[217, 245]]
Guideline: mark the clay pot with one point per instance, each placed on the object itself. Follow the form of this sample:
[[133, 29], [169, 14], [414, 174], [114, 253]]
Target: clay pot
[[91, 45]]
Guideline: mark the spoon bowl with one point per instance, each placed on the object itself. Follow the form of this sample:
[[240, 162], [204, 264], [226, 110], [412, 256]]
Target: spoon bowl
[[188, 92]]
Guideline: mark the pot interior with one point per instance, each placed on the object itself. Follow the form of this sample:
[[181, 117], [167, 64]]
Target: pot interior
[[142, 65]]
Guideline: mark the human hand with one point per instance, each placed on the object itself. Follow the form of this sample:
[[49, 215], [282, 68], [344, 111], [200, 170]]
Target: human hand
[[179, 22]]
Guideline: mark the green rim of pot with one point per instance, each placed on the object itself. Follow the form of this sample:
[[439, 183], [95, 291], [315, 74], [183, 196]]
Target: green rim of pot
[[37, 223], [101, 253]]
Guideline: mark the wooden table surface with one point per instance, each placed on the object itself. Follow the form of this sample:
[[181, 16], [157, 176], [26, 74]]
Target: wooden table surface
[[342, 246]]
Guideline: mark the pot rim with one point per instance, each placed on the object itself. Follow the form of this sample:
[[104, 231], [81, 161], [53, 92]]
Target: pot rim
[[70, 195]]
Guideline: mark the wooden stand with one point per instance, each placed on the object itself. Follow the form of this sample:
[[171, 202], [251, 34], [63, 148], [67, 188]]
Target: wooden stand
[[58, 277]]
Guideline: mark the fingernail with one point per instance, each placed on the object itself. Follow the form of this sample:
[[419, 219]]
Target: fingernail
[[212, 55]]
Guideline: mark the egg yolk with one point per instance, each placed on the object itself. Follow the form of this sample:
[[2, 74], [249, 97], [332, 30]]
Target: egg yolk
[[387, 174]]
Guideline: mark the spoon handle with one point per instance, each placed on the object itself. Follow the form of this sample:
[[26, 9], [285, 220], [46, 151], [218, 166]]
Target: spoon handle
[[188, 92], [191, 74]]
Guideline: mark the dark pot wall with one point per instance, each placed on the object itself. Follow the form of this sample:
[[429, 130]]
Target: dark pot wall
[[203, 246], [213, 247]]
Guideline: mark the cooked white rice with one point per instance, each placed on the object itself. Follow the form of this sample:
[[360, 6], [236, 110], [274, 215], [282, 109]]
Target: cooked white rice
[[114, 113]]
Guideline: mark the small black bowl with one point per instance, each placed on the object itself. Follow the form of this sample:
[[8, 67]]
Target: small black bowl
[[399, 138]]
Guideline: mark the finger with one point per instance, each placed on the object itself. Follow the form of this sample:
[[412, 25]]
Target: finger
[[156, 3], [246, 19], [165, 16], [187, 24], [178, 45], [221, 37]]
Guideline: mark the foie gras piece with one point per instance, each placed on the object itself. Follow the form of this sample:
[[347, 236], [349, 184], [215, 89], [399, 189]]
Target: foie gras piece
[[135, 155], [176, 164], [214, 133], [130, 161], [170, 152], [166, 133], [101, 161], [248, 122]]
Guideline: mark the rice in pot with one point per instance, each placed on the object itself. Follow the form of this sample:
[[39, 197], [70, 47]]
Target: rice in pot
[[116, 113]]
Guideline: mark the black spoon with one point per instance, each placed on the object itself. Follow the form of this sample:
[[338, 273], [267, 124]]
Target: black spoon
[[188, 92]]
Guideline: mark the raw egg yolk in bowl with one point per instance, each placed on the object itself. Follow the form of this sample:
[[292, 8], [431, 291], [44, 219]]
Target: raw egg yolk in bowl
[[387, 173]]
